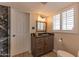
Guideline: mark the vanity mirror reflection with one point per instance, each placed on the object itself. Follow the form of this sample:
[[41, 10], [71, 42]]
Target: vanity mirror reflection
[[41, 26]]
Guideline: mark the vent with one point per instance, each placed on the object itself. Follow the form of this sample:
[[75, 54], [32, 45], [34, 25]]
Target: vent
[[44, 3]]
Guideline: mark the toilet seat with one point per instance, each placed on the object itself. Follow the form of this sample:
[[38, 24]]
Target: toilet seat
[[61, 53]]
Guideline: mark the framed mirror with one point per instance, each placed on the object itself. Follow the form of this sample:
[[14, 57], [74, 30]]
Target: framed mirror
[[41, 26]]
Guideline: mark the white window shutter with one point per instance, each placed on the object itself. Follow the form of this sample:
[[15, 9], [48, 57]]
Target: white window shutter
[[64, 21], [56, 22], [68, 19]]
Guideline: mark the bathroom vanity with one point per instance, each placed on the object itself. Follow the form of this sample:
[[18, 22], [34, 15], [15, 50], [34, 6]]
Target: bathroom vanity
[[41, 43]]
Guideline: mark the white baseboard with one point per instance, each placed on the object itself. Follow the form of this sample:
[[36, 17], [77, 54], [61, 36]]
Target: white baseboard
[[29, 51], [21, 53], [55, 50]]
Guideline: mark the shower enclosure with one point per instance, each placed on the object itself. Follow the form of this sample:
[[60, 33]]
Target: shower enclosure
[[4, 31]]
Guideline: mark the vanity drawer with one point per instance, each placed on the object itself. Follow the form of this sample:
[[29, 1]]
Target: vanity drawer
[[39, 51], [39, 41]]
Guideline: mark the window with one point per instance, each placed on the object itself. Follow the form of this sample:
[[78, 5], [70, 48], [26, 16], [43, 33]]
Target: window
[[56, 22], [68, 19], [66, 22]]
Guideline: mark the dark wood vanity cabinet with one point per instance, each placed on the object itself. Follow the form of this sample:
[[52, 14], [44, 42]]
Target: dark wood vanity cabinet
[[41, 44]]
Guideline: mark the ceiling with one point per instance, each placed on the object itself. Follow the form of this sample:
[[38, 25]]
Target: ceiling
[[38, 7]]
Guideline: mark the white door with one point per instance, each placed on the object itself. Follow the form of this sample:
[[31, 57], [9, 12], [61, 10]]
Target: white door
[[19, 32]]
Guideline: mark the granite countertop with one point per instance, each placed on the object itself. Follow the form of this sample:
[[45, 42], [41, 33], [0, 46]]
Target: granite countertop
[[39, 35], [43, 35]]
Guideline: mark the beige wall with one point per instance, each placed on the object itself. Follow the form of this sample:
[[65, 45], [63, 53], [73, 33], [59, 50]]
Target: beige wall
[[33, 18], [49, 24], [70, 40]]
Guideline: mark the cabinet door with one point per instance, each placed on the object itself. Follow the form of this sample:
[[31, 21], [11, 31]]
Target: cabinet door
[[33, 44], [48, 44], [39, 46]]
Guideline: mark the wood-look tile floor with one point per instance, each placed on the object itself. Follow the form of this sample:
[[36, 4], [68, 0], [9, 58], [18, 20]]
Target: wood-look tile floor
[[50, 54]]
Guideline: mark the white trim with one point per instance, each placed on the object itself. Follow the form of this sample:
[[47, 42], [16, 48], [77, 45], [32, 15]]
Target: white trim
[[29, 51], [55, 50]]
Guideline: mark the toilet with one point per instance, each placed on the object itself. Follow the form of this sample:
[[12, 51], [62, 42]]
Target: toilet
[[62, 53]]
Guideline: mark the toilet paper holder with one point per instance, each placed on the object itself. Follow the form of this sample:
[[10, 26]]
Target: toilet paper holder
[[61, 40]]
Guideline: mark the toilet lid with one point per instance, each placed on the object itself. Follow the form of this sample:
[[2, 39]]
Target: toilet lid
[[65, 54]]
